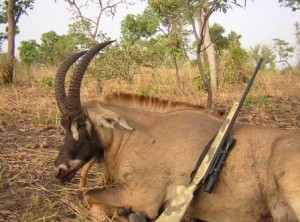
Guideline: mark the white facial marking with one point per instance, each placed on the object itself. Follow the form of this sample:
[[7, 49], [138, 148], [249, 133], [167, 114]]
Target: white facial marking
[[74, 130], [63, 167]]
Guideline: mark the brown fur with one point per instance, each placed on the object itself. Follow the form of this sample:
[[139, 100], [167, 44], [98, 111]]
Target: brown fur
[[260, 176], [85, 170], [147, 103]]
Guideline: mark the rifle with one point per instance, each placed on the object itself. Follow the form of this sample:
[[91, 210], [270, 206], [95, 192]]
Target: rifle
[[209, 164], [213, 171]]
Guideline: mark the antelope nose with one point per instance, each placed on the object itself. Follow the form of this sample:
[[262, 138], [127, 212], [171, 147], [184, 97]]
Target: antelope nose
[[59, 171]]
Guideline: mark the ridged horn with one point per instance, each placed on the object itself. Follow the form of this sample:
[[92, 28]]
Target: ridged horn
[[60, 93], [74, 103]]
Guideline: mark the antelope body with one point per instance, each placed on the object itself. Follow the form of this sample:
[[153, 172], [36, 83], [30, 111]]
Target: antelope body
[[150, 146]]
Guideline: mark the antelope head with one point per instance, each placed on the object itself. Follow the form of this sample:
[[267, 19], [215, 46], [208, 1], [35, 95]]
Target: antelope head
[[81, 141]]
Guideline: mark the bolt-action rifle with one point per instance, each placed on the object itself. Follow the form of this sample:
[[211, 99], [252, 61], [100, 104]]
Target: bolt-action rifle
[[209, 164]]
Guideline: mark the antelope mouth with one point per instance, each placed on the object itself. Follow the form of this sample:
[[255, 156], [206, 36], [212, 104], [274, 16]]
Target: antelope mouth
[[66, 173], [70, 175]]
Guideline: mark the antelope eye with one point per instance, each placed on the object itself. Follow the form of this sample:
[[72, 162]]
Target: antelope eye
[[81, 124]]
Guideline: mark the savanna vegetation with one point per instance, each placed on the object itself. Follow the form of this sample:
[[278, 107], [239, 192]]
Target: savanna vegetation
[[164, 51]]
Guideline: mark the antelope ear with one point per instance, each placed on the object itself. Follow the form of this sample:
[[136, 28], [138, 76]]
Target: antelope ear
[[109, 121]]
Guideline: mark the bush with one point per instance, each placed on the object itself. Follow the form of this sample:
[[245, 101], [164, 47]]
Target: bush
[[47, 82], [257, 100], [235, 66], [144, 90], [198, 83], [112, 63]]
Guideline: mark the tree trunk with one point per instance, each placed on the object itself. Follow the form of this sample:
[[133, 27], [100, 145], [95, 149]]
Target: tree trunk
[[201, 54], [176, 69], [211, 57], [204, 78], [200, 34], [171, 35], [11, 41], [208, 46]]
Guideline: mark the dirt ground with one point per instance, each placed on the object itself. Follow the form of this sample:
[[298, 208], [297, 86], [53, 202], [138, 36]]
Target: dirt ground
[[30, 136]]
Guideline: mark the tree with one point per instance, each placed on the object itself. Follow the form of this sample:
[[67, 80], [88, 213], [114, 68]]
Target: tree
[[79, 36], [13, 10], [47, 47], [284, 50], [54, 48], [202, 10], [135, 27], [220, 41], [263, 51], [91, 23], [173, 20], [3, 20], [293, 4], [29, 52], [234, 61]]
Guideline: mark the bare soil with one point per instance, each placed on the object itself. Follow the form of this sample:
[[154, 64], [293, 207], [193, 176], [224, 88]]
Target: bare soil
[[30, 136]]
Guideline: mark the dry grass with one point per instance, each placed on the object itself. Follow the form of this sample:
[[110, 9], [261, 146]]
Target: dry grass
[[30, 133]]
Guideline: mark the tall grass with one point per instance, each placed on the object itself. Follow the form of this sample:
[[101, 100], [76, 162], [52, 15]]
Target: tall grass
[[162, 82]]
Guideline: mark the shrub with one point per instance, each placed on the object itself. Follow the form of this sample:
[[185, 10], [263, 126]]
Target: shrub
[[144, 90], [198, 83], [47, 82], [257, 100], [235, 66]]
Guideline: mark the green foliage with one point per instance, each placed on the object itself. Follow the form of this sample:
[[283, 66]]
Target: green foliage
[[217, 36], [265, 52], [173, 19], [150, 53], [223, 5], [144, 90], [257, 100], [156, 42], [115, 62], [54, 48], [80, 36], [21, 7], [169, 11], [29, 52], [47, 82], [234, 39], [284, 50], [198, 83], [125, 59], [234, 65], [3, 68], [46, 119], [293, 4], [47, 48], [109, 65], [134, 27]]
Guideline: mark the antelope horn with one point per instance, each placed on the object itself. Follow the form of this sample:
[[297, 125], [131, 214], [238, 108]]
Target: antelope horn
[[60, 93], [74, 103]]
